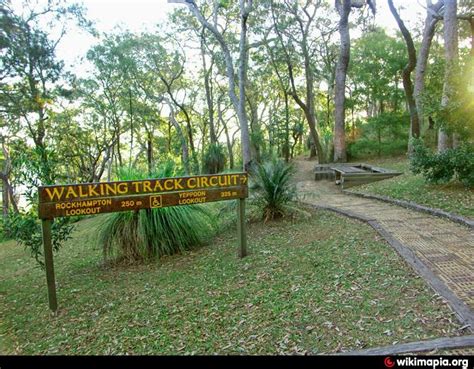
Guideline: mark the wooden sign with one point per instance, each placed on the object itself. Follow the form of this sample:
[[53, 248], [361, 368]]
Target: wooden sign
[[106, 197]]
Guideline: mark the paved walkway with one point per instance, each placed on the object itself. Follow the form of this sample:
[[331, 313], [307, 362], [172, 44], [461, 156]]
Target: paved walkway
[[445, 247]]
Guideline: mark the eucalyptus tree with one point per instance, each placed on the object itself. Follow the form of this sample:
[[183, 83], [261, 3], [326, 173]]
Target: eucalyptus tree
[[169, 67], [224, 116], [451, 65], [377, 60], [326, 60], [8, 197], [212, 70], [158, 75], [244, 9], [106, 89], [344, 8], [406, 74], [294, 24], [86, 157], [283, 82], [30, 70], [433, 15]]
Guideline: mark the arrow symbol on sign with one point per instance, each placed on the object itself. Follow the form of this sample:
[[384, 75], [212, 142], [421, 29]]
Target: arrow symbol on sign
[[243, 179]]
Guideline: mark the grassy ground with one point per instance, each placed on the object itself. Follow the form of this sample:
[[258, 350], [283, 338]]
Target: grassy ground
[[307, 287], [454, 198]]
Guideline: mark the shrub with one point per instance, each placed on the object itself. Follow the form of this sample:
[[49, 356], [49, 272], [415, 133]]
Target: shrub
[[451, 164], [150, 233], [273, 188], [31, 171], [25, 228], [383, 135], [363, 148], [463, 161]]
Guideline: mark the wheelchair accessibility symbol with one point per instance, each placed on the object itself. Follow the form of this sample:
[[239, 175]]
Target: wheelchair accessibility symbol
[[155, 201]]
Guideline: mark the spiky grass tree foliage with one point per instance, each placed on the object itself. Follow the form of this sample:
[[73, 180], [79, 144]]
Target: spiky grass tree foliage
[[146, 234], [214, 159], [273, 189]]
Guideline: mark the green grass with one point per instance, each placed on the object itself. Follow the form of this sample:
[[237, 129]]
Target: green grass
[[452, 197], [309, 286]]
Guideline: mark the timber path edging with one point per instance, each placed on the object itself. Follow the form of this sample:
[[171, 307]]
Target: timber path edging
[[460, 308], [438, 249], [412, 205], [420, 346]]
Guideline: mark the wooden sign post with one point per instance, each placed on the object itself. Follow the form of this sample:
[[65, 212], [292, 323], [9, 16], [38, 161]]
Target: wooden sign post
[[107, 197]]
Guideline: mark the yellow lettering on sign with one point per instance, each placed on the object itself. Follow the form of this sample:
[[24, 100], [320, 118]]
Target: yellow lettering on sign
[[122, 188], [213, 181], [92, 191], [223, 181], [158, 187], [234, 179], [136, 185], [193, 181], [81, 193], [110, 190], [204, 182], [147, 186], [177, 184], [54, 192], [169, 184], [70, 192]]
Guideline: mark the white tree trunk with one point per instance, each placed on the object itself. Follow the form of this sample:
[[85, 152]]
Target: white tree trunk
[[239, 104], [423, 53], [344, 9], [451, 57], [243, 58]]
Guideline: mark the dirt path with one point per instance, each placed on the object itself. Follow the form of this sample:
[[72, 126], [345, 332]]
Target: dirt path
[[444, 247]]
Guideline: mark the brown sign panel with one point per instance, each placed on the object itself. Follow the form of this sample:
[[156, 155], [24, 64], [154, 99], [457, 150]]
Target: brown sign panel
[[86, 191], [107, 197]]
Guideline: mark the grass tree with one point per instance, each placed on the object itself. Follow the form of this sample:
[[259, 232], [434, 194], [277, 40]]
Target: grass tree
[[150, 233], [274, 189]]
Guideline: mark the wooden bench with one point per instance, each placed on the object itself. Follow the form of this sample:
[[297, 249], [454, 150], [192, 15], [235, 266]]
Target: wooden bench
[[343, 171], [352, 174]]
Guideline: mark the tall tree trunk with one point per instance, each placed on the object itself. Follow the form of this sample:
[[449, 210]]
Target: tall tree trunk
[[451, 57], [227, 136], [239, 105], [95, 177], [471, 22], [149, 152], [8, 198], [344, 9], [184, 145], [189, 128], [308, 105], [286, 149], [110, 163], [423, 53], [5, 204], [131, 127], [255, 147], [243, 61], [406, 74], [208, 90], [316, 147]]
